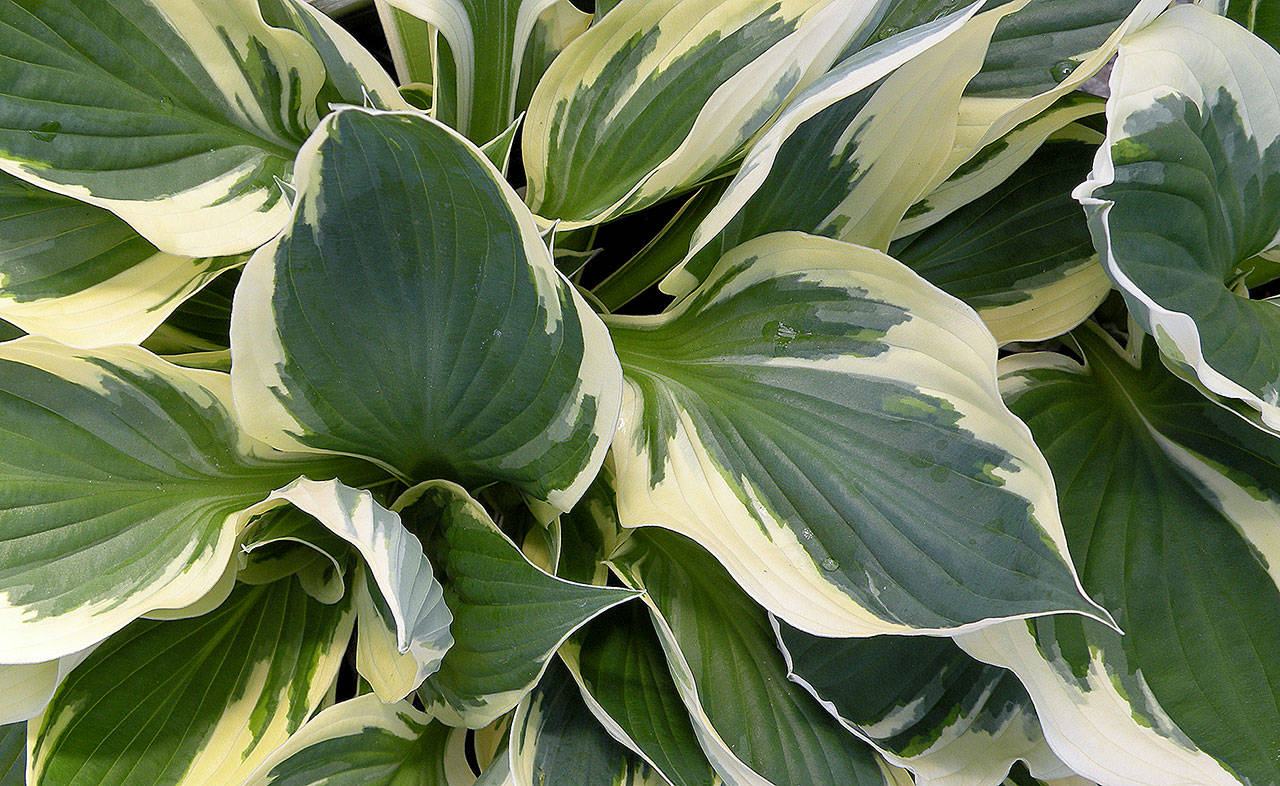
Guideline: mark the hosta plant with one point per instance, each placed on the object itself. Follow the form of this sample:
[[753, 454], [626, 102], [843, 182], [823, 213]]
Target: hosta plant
[[688, 392]]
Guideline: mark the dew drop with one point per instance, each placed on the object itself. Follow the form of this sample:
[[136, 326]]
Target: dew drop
[[888, 32], [1062, 69], [939, 474], [47, 131], [830, 564], [921, 461], [806, 534]]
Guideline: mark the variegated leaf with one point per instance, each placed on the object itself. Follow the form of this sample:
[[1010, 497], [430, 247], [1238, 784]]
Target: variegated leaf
[[25, 688], [1170, 504], [660, 93], [198, 701], [511, 615], [412, 605], [924, 704], [555, 739], [622, 673], [363, 742], [487, 43], [478, 305], [179, 116], [1260, 17], [1186, 189], [116, 458], [1021, 254], [755, 727], [80, 275], [827, 424], [827, 127]]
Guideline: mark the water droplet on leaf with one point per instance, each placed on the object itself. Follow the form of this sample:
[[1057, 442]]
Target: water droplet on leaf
[[47, 131], [830, 564], [1062, 69], [888, 32]]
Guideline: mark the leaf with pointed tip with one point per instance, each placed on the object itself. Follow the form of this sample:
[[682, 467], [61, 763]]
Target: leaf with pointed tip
[[923, 703], [197, 701], [363, 742], [1021, 254], [116, 458], [479, 308], [1155, 483], [510, 615], [827, 424], [754, 725], [622, 672], [1186, 189], [555, 739], [659, 94], [179, 116]]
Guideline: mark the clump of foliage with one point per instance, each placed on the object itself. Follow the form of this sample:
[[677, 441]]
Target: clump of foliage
[[686, 392]]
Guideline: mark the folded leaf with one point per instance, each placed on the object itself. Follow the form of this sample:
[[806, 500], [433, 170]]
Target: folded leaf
[[622, 672], [554, 739], [479, 308], [80, 275], [198, 701], [924, 704], [510, 615], [116, 458], [1156, 485], [1187, 189], [1021, 254], [363, 742], [659, 93], [181, 117], [754, 726], [25, 688], [417, 618], [827, 425]]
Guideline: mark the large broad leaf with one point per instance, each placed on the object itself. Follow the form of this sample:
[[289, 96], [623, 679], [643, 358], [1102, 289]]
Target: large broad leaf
[[78, 274], [116, 459], [659, 93], [827, 424], [487, 41], [1186, 189], [199, 701], [497, 368], [363, 742], [755, 727], [13, 755], [1170, 504], [874, 148], [1020, 254], [411, 606], [510, 615], [924, 704], [181, 117], [1260, 17], [622, 671], [555, 739]]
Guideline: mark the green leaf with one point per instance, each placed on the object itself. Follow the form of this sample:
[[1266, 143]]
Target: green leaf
[[416, 616], [827, 424], [622, 672], [80, 275], [924, 704], [201, 700], [116, 458], [754, 725], [1021, 254], [510, 616], [181, 117], [13, 755], [660, 93], [1156, 484], [1259, 17], [363, 742], [479, 309], [555, 739], [201, 324], [1187, 190]]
